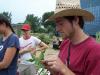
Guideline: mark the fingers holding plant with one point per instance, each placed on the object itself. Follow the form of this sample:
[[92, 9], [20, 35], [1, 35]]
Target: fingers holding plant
[[54, 63]]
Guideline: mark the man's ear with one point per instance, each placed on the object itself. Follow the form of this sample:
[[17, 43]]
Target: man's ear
[[76, 20]]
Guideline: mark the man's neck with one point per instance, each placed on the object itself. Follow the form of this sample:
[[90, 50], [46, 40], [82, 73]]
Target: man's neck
[[26, 37], [78, 37]]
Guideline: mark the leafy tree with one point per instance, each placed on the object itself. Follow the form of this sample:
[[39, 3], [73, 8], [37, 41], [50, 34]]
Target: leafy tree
[[34, 21], [49, 25], [40, 25]]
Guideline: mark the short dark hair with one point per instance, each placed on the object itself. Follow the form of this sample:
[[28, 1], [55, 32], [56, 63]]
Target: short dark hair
[[71, 18], [3, 19]]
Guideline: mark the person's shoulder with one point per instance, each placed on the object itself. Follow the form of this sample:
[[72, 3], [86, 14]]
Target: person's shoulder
[[33, 37], [21, 38], [96, 47], [94, 50], [14, 36], [91, 42], [13, 39]]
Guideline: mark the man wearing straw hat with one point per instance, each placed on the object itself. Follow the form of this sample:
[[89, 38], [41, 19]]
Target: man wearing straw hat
[[79, 53]]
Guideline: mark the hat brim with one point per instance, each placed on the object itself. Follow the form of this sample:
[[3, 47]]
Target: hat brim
[[73, 12], [25, 29]]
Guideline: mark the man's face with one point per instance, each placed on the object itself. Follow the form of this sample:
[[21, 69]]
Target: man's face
[[26, 32], [64, 27]]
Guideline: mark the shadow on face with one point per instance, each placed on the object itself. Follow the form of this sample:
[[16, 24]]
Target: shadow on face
[[26, 32], [64, 26], [3, 28]]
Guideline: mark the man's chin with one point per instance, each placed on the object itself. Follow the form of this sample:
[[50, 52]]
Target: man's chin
[[64, 36]]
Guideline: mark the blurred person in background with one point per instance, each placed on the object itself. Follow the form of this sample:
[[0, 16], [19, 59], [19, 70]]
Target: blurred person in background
[[9, 48], [28, 46]]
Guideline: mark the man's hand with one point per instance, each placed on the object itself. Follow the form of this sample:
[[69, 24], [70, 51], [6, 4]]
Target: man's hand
[[55, 64], [29, 49]]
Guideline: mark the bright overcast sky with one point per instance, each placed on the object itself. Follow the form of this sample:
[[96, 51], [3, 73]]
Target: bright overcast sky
[[20, 8]]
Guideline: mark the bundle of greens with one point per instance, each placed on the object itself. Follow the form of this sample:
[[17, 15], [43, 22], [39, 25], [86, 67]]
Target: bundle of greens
[[39, 66]]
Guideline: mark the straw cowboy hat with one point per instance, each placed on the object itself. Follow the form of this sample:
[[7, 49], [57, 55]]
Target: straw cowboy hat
[[70, 8]]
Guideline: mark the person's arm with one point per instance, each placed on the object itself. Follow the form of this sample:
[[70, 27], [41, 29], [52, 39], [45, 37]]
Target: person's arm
[[92, 64], [22, 51], [67, 71], [42, 46], [8, 57], [54, 64]]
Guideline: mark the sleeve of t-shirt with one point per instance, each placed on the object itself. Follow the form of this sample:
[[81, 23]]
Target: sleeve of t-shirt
[[37, 41], [14, 42], [20, 43], [92, 66]]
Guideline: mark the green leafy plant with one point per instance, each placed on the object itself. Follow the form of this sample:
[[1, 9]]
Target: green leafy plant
[[45, 38], [39, 66]]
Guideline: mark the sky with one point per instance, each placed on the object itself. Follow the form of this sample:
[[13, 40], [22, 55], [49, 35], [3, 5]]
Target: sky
[[20, 8]]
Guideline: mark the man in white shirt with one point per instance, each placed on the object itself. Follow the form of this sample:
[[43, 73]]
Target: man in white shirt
[[28, 46]]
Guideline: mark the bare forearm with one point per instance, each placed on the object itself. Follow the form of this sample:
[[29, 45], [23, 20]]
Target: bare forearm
[[42, 48], [3, 65], [67, 71], [24, 51]]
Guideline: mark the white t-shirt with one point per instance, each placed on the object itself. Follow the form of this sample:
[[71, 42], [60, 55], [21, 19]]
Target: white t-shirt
[[25, 44]]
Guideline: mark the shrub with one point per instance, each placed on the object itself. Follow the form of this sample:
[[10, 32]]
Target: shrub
[[45, 38]]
